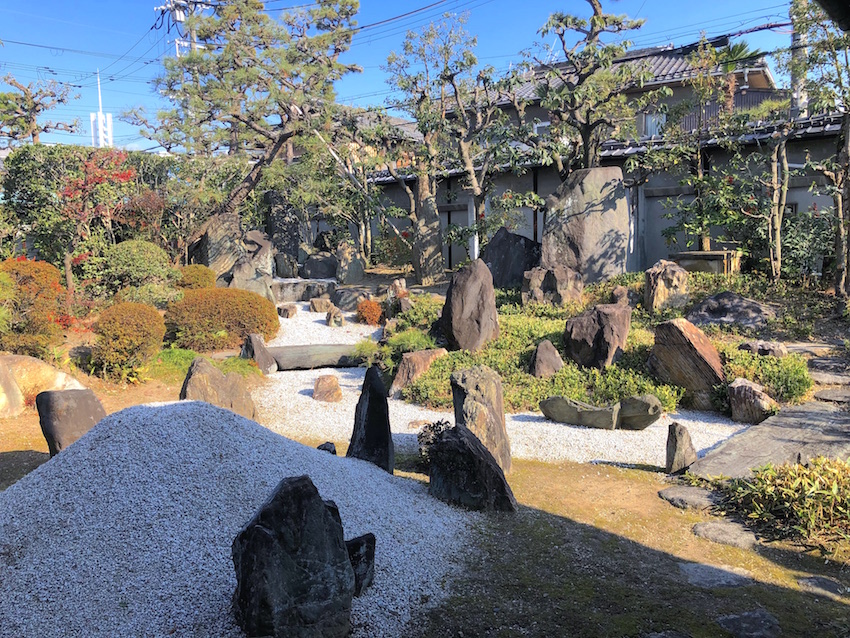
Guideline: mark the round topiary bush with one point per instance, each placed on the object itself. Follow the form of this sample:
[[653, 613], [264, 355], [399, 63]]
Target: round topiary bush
[[31, 306], [195, 276], [135, 263], [369, 312], [219, 318], [128, 336]]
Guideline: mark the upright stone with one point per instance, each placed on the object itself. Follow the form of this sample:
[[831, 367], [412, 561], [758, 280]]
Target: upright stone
[[260, 251], [293, 573], [221, 244], [361, 553], [508, 256], [666, 286], [320, 266], [351, 267], [11, 398], [749, 402], [683, 356], [546, 360], [371, 439], [469, 318], [556, 285], [284, 226], [680, 450], [245, 276], [597, 338], [479, 405], [587, 224], [66, 415], [255, 348]]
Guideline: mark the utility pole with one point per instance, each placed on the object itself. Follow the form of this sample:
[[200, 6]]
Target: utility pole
[[180, 10], [799, 55]]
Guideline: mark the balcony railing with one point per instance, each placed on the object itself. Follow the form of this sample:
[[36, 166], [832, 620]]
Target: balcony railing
[[744, 100]]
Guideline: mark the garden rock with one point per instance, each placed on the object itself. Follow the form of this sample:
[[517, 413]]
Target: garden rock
[[546, 360], [334, 317], [413, 365], [620, 295], [426, 437], [823, 586], [293, 573], [596, 338], [765, 348], [11, 399], [689, 497], [320, 305], [287, 311], [680, 450], [326, 388], [752, 624], [666, 286], [348, 297], [245, 276], [22, 378], [351, 267], [556, 285], [328, 447], [205, 382], [260, 251], [361, 554], [749, 402], [287, 290], [463, 472], [727, 308], [638, 413], [509, 256], [405, 304], [285, 266], [371, 439], [66, 415], [284, 225], [255, 348], [833, 395], [683, 356], [711, 577], [322, 265], [479, 406], [220, 244], [726, 533], [587, 224], [564, 410], [469, 318]]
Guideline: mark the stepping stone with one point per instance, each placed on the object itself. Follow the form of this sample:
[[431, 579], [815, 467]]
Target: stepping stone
[[686, 497], [726, 533], [829, 378], [823, 586], [833, 395], [751, 624], [811, 349], [829, 371], [711, 577]]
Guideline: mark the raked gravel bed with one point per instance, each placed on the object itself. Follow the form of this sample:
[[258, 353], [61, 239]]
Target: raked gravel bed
[[285, 405], [128, 532]]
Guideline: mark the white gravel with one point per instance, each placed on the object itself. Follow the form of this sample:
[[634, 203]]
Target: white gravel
[[128, 532], [310, 328]]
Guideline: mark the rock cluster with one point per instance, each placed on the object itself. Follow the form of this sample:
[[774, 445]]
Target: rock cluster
[[509, 256]]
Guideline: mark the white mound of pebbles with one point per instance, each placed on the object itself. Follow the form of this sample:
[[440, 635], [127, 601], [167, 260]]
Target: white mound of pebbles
[[128, 532]]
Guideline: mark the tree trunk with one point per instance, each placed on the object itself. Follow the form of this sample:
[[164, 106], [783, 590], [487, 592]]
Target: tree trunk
[[69, 282], [842, 201], [428, 243], [238, 195]]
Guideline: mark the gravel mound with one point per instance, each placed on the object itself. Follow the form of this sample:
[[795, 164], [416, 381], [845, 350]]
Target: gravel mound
[[128, 532]]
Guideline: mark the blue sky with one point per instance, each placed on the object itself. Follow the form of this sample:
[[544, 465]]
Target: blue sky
[[76, 37]]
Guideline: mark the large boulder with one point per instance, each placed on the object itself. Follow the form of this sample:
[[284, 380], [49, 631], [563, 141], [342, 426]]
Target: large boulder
[[666, 286], [463, 472], [479, 405], [680, 450], [351, 267], [285, 266], [205, 382], [260, 252], [545, 360], [220, 244], [320, 266], [254, 348], [245, 276], [509, 256], [749, 402], [564, 410], [637, 413], [66, 415], [319, 304], [587, 224], [469, 318], [683, 356], [413, 365], [293, 573], [729, 308], [556, 285], [371, 439], [596, 338], [22, 378]]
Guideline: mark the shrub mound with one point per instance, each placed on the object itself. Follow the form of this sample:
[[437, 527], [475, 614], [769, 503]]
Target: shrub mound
[[219, 318], [195, 276], [30, 306], [369, 312], [156, 295], [135, 263], [128, 336]]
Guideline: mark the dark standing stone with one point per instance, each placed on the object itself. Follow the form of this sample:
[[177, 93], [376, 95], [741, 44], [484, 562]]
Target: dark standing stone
[[556, 285], [470, 319], [66, 415], [255, 348], [680, 451], [596, 338], [361, 553], [285, 266], [293, 574], [324, 241], [546, 360], [728, 308], [463, 472], [205, 382], [479, 405], [284, 226], [508, 256], [320, 266], [637, 413], [328, 446], [371, 439]]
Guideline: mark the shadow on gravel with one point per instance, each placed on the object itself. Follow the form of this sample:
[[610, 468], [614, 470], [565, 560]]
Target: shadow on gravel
[[17, 464]]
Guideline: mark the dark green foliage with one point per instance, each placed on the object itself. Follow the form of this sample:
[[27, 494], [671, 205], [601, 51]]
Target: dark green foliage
[[31, 307], [426, 310], [129, 335], [156, 295]]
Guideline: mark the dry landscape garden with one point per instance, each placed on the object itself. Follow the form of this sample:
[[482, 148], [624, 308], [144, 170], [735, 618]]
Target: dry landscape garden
[[267, 384]]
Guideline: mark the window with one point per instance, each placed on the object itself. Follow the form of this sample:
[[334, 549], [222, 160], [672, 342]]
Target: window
[[653, 124], [542, 128]]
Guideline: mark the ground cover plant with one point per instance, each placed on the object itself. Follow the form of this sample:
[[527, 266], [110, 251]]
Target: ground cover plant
[[170, 365]]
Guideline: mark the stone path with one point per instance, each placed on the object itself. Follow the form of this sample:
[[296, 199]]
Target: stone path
[[796, 433]]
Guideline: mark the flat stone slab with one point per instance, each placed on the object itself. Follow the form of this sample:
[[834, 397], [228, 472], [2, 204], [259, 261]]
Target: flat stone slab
[[812, 349], [711, 577], [687, 497], [826, 370], [726, 533], [829, 378], [834, 395], [796, 433], [751, 624], [823, 586]]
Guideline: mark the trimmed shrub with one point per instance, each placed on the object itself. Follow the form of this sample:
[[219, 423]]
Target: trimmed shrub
[[156, 295], [195, 276], [128, 336], [7, 299], [219, 318], [31, 307], [136, 263], [369, 312]]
